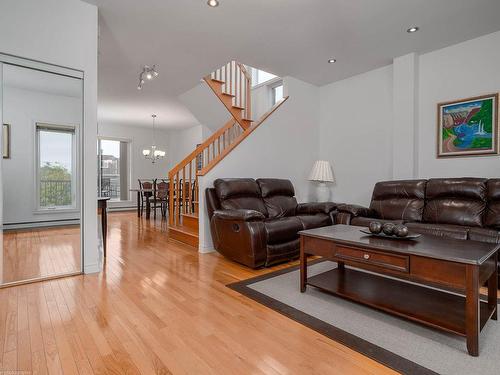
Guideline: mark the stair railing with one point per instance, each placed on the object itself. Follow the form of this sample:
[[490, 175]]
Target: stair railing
[[183, 178], [238, 83]]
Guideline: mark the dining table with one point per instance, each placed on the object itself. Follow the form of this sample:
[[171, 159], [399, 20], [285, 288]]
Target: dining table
[[148, 193], [102, 205]]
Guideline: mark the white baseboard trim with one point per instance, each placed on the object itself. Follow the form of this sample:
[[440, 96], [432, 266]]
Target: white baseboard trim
[[91, 268], [118, 209], [205, 249], [41, 224]]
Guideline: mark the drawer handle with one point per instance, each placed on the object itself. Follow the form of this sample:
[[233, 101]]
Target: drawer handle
[[366, 256]]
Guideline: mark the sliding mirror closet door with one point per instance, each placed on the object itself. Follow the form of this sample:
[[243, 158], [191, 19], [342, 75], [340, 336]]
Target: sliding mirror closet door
[[41, 174]]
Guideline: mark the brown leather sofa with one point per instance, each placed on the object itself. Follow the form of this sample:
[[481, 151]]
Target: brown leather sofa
[[461, 208], [256, 222]]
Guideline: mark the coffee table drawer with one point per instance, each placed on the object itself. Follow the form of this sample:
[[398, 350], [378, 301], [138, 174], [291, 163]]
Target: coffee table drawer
[[374, 258]]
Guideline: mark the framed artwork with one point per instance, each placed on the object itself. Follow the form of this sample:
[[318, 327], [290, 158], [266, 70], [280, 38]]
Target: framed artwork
[[6, 141], [468, 127]]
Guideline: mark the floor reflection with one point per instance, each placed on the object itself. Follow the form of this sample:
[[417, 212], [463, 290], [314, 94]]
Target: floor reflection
[[38, 253]]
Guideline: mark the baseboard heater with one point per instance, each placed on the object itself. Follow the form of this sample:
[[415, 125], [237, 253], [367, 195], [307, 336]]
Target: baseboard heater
[[40, 224]]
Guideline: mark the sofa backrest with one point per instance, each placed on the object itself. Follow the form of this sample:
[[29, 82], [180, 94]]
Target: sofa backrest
[[278, 196], [399, 200], [492, 214], [239, 193], [459, 201], [213, 202]]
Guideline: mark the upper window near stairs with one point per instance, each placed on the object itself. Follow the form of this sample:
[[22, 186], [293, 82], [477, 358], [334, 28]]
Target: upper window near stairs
[[260, 77]]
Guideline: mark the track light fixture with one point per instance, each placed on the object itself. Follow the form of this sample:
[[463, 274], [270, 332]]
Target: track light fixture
[[148, 73]]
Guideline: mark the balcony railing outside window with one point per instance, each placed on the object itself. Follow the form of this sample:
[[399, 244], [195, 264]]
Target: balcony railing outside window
[[110, 187], [55, 193]]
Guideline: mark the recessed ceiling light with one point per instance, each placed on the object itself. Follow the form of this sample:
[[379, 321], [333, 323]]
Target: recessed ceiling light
[[412, 30], [213, 3], [332, 61]]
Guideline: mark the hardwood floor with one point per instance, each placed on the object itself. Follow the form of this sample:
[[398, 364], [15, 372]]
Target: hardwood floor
[[159, 307], [41, 252]]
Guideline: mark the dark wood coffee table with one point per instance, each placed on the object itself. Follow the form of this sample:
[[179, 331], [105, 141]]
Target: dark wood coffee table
[[414, 266]]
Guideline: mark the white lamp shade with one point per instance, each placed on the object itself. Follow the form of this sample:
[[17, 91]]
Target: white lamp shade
[[322, 171], [146, 152]]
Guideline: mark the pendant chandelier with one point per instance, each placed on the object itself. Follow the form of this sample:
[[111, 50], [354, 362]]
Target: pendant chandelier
[[153, 153]]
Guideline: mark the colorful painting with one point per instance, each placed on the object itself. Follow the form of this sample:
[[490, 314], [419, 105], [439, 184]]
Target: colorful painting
[[468, 127]]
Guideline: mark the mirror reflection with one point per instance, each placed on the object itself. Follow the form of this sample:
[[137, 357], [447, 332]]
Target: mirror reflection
[[42, 115]]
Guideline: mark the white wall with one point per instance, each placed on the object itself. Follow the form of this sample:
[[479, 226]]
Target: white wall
[[22, 109], [356, 133], [140, 167], [284, 146], [382, 124], [464, 70], [62, 32], [205, 106], [261, 101], [183, 141]]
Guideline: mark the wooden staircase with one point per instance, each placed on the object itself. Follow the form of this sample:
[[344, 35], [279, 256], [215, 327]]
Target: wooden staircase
[[232, 85]]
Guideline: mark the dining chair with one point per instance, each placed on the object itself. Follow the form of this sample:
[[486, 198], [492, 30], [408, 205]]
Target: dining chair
[[160, 197], [144, 196]]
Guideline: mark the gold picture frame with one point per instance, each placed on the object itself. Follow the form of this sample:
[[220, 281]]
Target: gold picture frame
[[468, 127]]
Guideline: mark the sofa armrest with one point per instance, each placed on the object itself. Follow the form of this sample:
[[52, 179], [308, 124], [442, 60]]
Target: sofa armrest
[[355, 210], [240, 235], [242, 215], [316, 208]]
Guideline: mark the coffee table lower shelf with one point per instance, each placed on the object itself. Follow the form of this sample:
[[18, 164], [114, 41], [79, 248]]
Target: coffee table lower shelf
[[418, 303]]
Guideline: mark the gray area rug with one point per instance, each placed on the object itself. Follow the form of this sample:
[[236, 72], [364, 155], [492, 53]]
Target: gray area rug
[[405, 346]]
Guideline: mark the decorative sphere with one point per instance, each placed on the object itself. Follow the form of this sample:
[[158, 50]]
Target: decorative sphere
[[375, 227], [401, 231], [388, 229]]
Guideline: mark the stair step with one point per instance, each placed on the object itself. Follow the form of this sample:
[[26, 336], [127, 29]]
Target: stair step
[[227, 94], [190, 221], [238, 107], [218, 80], [248, 119], [184, 234]]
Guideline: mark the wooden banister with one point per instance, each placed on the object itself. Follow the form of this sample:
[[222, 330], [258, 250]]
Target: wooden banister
[[240, 138], [183, 178], [232, 84], [245, 71]]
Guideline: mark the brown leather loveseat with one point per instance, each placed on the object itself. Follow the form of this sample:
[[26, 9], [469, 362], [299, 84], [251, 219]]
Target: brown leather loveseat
[[461, 208], [256, 222]]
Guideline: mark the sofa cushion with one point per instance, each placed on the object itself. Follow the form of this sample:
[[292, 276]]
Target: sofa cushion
[[492, 215], [282, 252], [282, 230], [278, 196], [315, 221], [442, 230], [484, 235], [458, 201], [399, 200], [362, 221], [239, 193]]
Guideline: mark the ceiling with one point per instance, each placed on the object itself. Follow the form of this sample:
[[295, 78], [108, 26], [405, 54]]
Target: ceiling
[[186, 39], [39, 81]]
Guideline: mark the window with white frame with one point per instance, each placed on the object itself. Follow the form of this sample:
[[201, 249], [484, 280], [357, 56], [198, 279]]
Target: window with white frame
[[56, 167], [259, 77], [277, 93], [113, 168]]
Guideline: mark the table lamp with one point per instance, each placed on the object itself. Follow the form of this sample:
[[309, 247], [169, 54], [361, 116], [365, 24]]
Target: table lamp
[[322, 173]]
